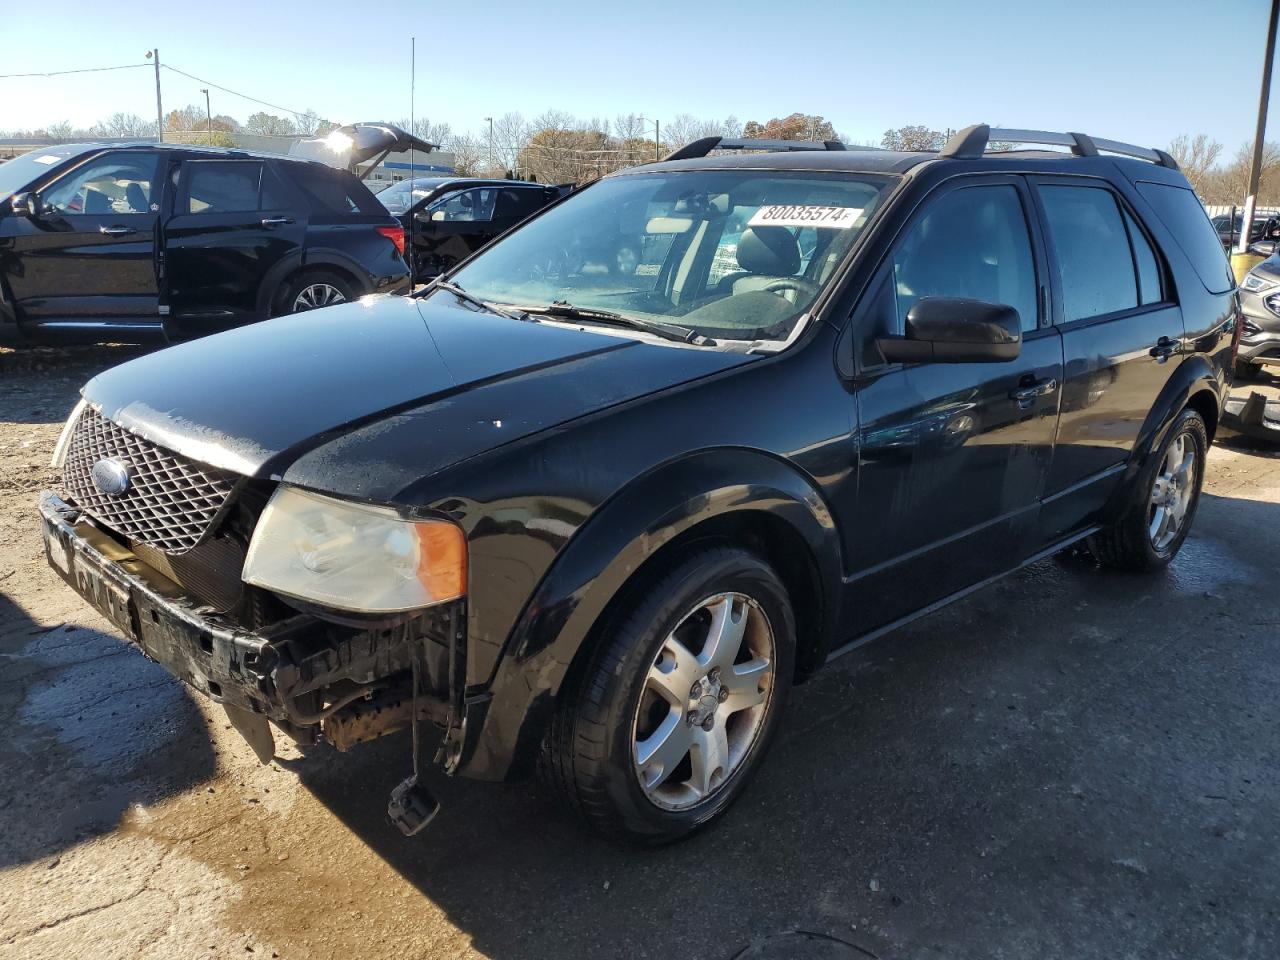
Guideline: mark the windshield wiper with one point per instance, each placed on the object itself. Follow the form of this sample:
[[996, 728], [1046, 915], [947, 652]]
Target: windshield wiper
[[450, 287], [563, 309]]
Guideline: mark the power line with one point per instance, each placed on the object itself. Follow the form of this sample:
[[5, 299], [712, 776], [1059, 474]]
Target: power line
[[60, 73], [237, 93]]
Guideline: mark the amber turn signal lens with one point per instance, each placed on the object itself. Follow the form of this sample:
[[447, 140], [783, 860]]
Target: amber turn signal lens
[[442, 563]]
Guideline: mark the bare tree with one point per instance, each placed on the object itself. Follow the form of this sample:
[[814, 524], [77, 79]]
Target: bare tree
[[796, 126], [469, 153], [428, 130], [1197, 156], [62, 130], [509, 135], [124, 125]]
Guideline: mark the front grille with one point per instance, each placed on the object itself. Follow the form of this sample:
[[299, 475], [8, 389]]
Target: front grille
[[171, 503]]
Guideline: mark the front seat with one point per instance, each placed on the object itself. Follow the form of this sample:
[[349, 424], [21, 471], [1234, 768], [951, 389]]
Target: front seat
[[766, 254], [136, 198]]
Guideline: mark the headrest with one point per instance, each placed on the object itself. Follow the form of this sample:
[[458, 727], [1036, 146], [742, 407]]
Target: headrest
[[772, 251]]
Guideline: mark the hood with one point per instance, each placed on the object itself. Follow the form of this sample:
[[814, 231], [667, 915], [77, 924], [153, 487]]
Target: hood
[[365, 398], [348, 147]]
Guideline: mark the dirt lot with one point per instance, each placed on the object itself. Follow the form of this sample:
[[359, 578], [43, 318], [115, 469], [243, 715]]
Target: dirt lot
[[1069, 764]]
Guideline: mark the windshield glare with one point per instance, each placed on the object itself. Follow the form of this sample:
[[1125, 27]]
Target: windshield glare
[[403, 194], [17, 174], [729, 254]]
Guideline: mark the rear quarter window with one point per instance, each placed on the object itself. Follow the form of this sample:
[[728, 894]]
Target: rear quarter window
[[1180, 211], [332, 191]]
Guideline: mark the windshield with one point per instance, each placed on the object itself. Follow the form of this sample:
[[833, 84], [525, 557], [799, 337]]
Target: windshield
[[402, 195], [727, 254], [17, 174]]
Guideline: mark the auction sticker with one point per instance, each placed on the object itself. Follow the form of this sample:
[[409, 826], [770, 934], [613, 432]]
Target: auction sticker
[[47, 159], [783, 215]]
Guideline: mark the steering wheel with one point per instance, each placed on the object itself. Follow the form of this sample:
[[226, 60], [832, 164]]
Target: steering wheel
[[798, 284]]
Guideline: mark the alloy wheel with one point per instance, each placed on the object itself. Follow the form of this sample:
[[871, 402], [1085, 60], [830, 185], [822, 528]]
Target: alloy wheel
[[1171, 492], [316, 295], [704, 702]]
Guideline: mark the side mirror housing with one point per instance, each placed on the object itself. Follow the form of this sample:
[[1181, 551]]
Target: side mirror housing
[[26, 204], [956, 330]]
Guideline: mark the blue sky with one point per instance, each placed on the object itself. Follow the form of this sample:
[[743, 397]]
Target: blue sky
[[1137, 70]]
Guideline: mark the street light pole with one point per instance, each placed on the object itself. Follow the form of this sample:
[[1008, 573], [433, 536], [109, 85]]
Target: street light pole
[[208, 113], [490, 119], [1255, 169]]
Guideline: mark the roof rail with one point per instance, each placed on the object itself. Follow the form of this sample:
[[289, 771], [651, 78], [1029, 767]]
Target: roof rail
[[972, 142], [700, 148]]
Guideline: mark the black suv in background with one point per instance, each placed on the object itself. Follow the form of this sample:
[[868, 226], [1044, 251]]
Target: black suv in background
[[446, 219], [610, 517], [153, 241]]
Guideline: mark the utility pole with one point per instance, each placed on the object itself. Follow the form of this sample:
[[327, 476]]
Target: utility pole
[[657, 137], [1255, 169], [490, 119], [154, 55], [208, 113]]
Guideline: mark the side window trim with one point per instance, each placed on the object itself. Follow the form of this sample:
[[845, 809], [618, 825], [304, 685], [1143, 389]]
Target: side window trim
[[1035, 182]]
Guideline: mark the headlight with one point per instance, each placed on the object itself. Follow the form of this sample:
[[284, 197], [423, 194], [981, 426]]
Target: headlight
[[1255, 283], [64, 439], [354, 557]]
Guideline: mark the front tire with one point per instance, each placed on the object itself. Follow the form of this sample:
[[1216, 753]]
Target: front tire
[[663, 730], [1162, 503]]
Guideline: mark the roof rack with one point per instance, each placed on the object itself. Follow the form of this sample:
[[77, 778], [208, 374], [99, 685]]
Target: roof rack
[[700, 148], [972, 142]]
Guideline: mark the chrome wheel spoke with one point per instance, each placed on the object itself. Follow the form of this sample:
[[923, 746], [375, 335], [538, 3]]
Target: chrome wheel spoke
[[743, 683], [1171, 492], [317, 295], [661, 752], [674, 673], [724, 638], [710, 758]]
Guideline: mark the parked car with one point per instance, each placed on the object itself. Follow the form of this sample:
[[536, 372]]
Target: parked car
[[449, 218], [150, 241], [608, 519], [1260, 301], [1229, 230]]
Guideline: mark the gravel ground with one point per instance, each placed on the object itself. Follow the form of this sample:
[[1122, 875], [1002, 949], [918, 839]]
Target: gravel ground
[[1069, 764]]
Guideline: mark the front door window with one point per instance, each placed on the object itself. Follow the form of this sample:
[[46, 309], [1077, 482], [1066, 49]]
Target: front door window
[[115, 183]]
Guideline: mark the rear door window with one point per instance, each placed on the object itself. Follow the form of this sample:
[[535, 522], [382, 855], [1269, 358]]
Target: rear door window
[[1180, 211], [1095, 262], [475, 205], [222, 186], [1149, 286]]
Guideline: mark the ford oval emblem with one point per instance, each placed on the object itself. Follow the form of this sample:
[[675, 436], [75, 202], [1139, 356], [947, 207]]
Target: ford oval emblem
[[111, 477]]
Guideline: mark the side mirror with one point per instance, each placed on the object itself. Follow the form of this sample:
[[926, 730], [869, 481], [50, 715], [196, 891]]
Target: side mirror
[[955, 330], [26, 204]]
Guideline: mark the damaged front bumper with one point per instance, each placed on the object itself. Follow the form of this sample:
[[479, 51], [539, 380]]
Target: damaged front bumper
[[308, 677]]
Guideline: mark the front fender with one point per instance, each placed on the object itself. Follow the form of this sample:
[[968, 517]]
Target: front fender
[[667, 504]]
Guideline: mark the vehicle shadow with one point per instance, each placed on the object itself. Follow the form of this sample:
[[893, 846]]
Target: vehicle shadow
[[1024, 773], [90, 728], [40, 384]]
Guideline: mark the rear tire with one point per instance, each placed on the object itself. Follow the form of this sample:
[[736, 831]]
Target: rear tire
[[1162, 503], [631, 748], [314, 289]]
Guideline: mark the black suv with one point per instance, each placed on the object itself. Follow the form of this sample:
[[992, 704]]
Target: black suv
[[152, 241], [611, 518], [446, 219]]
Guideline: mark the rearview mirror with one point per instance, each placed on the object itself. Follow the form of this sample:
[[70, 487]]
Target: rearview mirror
[[956, 330], [26, 204]]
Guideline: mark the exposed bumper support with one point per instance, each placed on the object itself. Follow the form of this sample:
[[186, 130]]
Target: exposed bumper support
[[303, 674]]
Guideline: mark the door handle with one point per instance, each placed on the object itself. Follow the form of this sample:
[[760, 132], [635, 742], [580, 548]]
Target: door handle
[[116, 231], [1164, 349], [276, 221], [1039, 388]]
